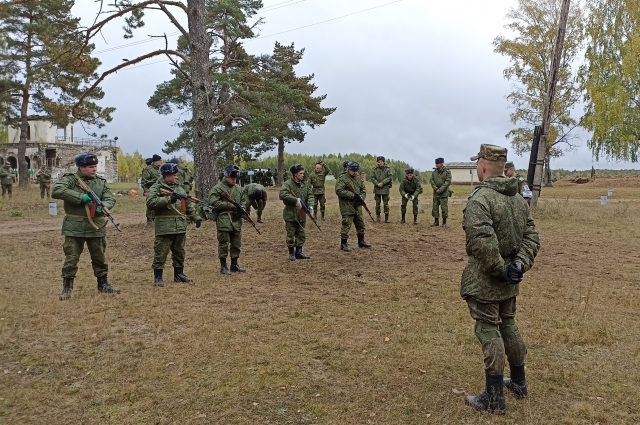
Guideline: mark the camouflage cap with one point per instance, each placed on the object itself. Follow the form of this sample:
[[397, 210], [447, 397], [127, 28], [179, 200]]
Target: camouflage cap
[[491, 153], [509, 164]]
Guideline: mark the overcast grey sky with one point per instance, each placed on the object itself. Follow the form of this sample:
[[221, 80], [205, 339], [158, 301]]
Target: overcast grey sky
[[412, 80]]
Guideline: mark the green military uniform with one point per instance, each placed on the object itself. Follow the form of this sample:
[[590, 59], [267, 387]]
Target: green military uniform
[[76, 226], [269, 175], [410, 190], [170, 224], [295, 223], [228, 221], [317, 184], [500, 233], [44, 178], [350, 214], [150, 176], [6, 180], [382, 175], [185, 178], [256, 196], [440, 181]]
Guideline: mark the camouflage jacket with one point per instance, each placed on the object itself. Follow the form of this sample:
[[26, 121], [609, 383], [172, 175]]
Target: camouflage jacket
[[185, 178], [169, 218], [300, 190], [317, 180], [499, 229], [6, 175], [412, 187], [382, 175], [441, 180], [521, 183], [345, 196], [76, 222], [227, 220], [249, 194], [43, 177], [150, 175]]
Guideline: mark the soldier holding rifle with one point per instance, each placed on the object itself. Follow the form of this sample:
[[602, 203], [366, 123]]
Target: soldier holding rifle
[[351, 194], [296, 195]]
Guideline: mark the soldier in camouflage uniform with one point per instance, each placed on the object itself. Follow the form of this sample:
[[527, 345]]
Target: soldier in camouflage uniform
[[350, 204], [269, 175], [382, 179], [523, 187], [293, 194], [185, 177], [6, 180], [440, 182], [150, 175], [256, 197], [317, 179], [345, 165], [502, 244], [228, 218], [44, 179], [84, 223], [410, 189], [170, 223]]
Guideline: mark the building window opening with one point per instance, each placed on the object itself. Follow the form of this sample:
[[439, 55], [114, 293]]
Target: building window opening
[[61, 134], [50, 158]]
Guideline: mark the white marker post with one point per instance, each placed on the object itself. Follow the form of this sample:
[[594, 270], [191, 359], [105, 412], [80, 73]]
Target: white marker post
[[53, 208], [603, 200]]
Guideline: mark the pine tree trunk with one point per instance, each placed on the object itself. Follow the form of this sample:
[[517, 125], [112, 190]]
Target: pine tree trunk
[[205, 151], [22, 144], [280, 161], [546, 177]]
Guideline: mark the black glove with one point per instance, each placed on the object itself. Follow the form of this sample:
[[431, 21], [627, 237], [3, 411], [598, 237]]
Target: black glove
[[174, 197], [357, 199], [237, 215], [513, 273], [198, 224]]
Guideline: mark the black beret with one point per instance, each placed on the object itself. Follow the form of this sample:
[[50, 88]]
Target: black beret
[[439, 160], [86, 159]]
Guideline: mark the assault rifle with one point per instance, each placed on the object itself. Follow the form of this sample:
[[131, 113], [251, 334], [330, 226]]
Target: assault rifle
[[357, 204], [202, 204], [305, 209], [243, 213], [98, 202]]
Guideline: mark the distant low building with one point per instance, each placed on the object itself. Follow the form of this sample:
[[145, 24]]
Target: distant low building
[[56, 148], [463, 173]]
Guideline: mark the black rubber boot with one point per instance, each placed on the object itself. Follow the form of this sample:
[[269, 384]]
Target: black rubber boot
[[492, 399], [403, 221], [386, 218], [323, 219], [300, 255], [179, 276], [377, 217], [362, 243], [223, 266], [517, 384], [415, 219], [235, 267], [157, 277], [292, 255], [444, 222], [103, 286], [67, 288], [436, 223], [344, 246]]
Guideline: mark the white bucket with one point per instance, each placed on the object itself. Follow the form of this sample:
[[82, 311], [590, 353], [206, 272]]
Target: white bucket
[[53, 208], [610, 192], [603, 200]]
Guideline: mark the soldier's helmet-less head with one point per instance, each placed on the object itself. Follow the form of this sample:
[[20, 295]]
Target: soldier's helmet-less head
[[168, 169], [232, 171], [353, 166], [491, 153], [86, 160]]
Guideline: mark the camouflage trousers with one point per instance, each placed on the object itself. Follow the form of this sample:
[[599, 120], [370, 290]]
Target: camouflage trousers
[[348, 219], [497, 331], [443, 202], [165, 243], [295, 232], [405, 201], [229, 239], [44, 187], [319, 199], [7, 188], [385, 201], [73, 247]]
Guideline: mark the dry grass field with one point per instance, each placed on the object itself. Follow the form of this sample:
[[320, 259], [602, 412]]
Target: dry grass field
[[375, 336]]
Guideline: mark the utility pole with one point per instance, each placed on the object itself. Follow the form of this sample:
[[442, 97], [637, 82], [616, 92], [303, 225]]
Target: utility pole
[[548, 104]]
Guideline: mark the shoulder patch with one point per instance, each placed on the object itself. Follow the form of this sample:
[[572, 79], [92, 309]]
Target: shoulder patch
[[473, 192]]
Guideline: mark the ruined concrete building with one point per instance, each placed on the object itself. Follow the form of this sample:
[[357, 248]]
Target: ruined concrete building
[[56, 148]]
